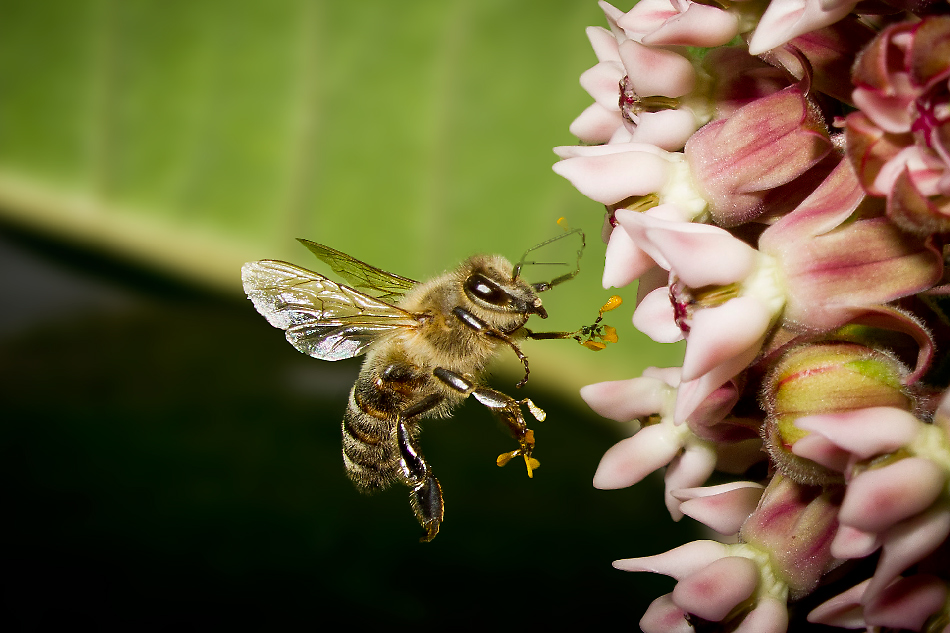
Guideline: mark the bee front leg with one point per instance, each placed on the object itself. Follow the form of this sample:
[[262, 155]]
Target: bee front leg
[[506, 408], [476, 324]]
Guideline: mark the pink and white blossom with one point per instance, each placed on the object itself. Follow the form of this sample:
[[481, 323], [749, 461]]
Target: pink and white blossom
[[783, 205], [724, 331], [690, 459], [713, 580]]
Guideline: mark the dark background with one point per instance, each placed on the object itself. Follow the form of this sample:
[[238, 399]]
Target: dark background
[[172, 463]]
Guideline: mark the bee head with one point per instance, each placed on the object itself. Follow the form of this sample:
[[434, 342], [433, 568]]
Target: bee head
[[489, 285]]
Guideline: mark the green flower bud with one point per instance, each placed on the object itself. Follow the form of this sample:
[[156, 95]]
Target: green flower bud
[[824, 378]]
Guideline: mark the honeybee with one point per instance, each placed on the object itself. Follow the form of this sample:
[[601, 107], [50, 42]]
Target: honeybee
[[426, 346]]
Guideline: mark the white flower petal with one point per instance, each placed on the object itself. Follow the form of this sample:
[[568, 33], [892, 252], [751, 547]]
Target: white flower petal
[[657, 71], [734, 329], [723, 508], [691, 393], [636, 225], [648, 15], [879, 498], [669, 129], [689, 469], [820, 450], [700, 25], [844, 610], [907, 544], [678, 562], [627, 400], [601, 82], [655, 318], [865, 432], [610, 177], [787, 19], [769, 616], [613, 15], [663, 616], [669, 375], [850, 542], [624, 261], [604, 44], [629, 461], [595, 124], [907, 603], [714, 591]]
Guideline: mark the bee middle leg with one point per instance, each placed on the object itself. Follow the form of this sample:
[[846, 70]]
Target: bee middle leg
[[505, 408]]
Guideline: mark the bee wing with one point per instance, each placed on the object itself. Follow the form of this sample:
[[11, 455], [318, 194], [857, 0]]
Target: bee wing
[[322, 318], [376, 281]]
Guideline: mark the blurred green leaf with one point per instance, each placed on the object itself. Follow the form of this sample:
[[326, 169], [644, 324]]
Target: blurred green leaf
[[194, 136]]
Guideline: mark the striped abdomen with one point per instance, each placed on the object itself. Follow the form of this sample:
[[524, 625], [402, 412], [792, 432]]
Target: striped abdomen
[[370, 451], [384, 394]]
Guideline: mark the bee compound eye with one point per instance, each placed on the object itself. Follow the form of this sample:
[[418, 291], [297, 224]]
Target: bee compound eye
[[481, 287]]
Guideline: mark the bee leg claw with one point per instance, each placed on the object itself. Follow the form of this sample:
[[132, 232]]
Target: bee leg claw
[[426, 502], [432, 530]]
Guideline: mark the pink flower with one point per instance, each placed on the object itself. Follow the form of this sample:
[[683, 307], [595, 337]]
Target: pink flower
[[795, 524], [899, 143], [655, 96], [611, 173], [783, 552], [787, 19], [898, 503], [740, 162], [830, 53], [637, 92], [801, 255], [724, 508], [906, 603], [716, 582], [658, 443], [679, 23], [723, 297], [828, 260]]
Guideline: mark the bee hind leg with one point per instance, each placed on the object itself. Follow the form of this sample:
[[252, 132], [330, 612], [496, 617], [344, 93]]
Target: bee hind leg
[[426, 495], [505, 408]]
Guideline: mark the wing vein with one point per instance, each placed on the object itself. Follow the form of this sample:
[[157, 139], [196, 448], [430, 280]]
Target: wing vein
[[322, 318]]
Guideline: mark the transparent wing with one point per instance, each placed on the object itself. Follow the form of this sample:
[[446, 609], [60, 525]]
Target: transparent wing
[[323, 319], [375, 281]]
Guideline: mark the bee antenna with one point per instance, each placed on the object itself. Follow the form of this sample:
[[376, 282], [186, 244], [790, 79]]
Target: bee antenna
[[542, 286]]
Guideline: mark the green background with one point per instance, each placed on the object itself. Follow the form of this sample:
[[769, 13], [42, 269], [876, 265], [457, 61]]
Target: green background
[[171, 461]]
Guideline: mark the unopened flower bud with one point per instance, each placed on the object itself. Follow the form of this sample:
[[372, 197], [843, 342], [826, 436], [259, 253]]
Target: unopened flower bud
[[822, 378]]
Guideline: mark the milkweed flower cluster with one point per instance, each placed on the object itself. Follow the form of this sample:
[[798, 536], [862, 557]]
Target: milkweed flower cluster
[[776, 178]]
